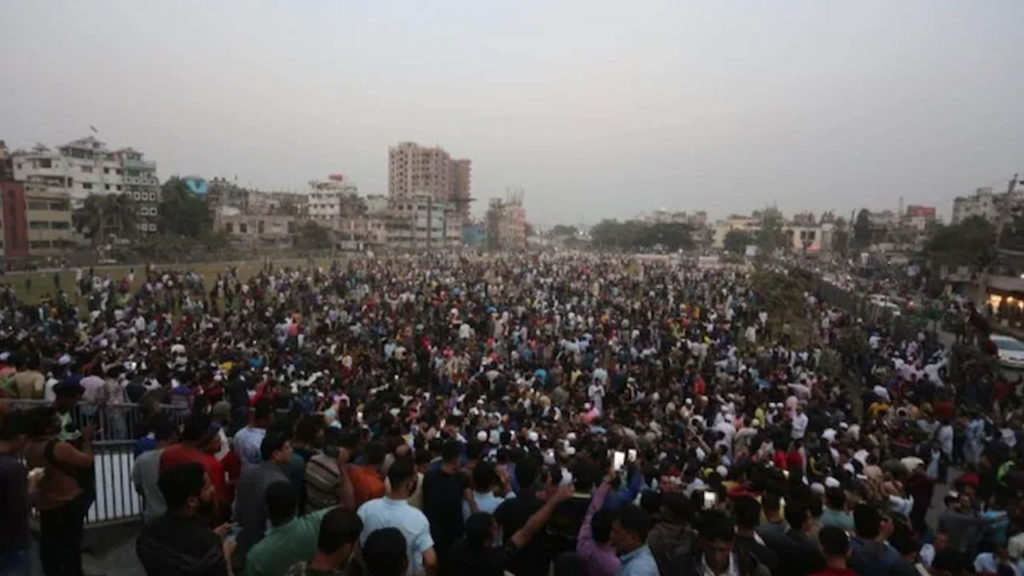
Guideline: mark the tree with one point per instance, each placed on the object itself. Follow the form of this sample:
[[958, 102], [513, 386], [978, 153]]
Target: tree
[[969, 243], [840, 238], [862, 229], [561, 231], [182, 213], [736, 241], [771, 237], [636, 235], [105, 215], [313, 236]]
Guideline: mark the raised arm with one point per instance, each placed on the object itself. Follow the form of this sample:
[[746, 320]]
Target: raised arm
[[539, 518], [586, 532]]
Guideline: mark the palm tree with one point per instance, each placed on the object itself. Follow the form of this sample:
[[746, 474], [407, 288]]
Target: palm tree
[[101, 215]]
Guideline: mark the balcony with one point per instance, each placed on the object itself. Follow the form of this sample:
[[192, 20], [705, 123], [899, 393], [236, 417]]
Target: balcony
[[139, 164]]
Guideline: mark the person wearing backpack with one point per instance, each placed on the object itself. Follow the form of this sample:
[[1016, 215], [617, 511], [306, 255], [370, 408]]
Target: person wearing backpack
[[59, 493]]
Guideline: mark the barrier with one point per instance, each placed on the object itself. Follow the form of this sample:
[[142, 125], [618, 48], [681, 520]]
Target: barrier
[[115, 422]]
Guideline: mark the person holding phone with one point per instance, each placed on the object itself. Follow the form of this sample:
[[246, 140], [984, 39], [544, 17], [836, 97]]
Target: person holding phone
[[61, 495]]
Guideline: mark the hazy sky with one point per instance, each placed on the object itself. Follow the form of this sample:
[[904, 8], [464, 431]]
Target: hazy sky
[[595, 108]]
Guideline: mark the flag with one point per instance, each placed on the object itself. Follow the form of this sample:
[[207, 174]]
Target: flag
[[93, 128]]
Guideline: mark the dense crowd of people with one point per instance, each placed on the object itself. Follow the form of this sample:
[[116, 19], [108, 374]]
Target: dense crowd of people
[[529, 415]]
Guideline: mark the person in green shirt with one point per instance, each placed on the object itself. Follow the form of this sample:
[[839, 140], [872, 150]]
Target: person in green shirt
[[336, 547], [290, 539]]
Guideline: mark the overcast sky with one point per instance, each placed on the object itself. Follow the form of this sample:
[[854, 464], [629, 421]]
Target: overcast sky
[[595, 108]]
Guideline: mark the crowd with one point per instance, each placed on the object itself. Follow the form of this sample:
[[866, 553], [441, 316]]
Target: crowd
[[526, 415]]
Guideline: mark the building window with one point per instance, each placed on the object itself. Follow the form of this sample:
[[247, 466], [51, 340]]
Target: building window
[[106, 170], [229, 228], [37, 244], [87, 185], [38, 225], [119, 171], [118, 188], [86, 169], [46, 164], [106, 186], [38, 205], [60, 225], [243, 228]]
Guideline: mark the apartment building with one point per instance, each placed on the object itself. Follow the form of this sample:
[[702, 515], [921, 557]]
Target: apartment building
[[506, 222], [421, 223], [86, 166]]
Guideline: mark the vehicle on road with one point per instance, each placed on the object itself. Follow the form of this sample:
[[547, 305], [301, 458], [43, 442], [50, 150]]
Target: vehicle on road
[[1010, 350]]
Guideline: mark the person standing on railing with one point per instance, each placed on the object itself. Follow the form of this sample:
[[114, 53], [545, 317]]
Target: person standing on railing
[[63, 494]]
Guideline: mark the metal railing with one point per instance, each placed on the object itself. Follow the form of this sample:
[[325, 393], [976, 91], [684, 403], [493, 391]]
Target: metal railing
[[115, 422], [113, 456]]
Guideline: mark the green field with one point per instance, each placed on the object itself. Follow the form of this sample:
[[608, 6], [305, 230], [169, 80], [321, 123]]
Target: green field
[[42, 282]]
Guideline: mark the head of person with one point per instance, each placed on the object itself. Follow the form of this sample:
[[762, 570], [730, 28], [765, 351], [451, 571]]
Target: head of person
[[339, 535], [772, 504], [485, 477], [526, 473], [402, 477], [480, 531], [630, 528], [834, 542], [164, 432], [867, 522], [14, 430], [450, 452], [717, 535], [43, 422], [676, 509], [798, 516], [376, 453], [262, 413], [747, 512], [835, 498], [186, 488], [310, 431], [281, 501], [385, 554], [67, 395], [276, 447]]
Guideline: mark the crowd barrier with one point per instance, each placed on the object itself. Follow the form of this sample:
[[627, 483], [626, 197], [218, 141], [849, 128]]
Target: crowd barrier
[[120, 425], [114, 422]]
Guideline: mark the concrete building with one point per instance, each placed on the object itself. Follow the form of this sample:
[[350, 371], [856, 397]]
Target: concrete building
[[256, 231], [506, 222], [415, 169], [421, 223], [332, 199], [86, 166], [990, 205], [803, 233]]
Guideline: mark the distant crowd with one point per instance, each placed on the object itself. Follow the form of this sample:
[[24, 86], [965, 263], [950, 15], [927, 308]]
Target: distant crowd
[[526, 415]]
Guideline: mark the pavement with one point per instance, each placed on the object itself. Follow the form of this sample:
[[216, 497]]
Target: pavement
[[107, 551]]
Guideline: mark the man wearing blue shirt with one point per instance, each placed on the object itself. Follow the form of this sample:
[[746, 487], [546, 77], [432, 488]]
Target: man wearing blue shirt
[[629, 536]]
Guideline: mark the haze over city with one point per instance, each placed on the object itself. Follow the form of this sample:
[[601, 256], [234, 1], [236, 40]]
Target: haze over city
[[595, 109]]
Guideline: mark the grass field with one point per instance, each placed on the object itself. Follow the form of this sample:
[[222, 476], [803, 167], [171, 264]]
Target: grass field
[[34, 286]]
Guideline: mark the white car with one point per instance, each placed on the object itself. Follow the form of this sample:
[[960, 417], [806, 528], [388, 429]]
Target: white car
[[1011, 351]]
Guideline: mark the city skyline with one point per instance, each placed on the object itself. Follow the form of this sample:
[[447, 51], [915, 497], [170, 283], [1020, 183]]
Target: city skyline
[[594, 110]]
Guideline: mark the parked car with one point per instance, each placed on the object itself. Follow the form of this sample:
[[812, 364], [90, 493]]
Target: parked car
[[1011, 351]]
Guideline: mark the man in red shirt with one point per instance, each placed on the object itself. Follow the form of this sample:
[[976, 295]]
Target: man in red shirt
[[196, 438], [836, 546]]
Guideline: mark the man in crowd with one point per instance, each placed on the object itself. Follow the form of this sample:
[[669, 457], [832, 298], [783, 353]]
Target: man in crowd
[[629, 536], [179, 543], [146, 473], [250, 500], [337, 546], [289, 538], [393, 511], [15, 539]]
